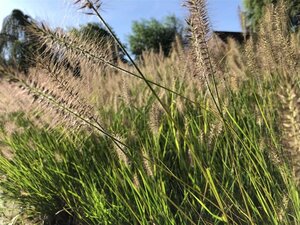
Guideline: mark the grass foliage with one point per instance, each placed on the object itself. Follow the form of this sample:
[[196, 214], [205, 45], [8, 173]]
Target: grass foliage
[[208, 135]]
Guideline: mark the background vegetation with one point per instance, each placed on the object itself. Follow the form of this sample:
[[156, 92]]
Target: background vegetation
[[14, 41], [154, 35], [255, 9]]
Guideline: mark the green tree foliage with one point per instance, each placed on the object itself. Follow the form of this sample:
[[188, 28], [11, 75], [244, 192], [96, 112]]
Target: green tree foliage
[[14, 41], [155, 35], [94, 32], [254, 11]]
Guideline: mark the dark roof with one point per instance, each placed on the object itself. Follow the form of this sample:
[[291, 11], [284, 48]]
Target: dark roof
[[224, 35]]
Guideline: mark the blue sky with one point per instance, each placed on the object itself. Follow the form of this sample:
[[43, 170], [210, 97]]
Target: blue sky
[[120, 13]]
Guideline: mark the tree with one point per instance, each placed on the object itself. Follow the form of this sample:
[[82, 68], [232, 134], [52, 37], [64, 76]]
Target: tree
[[254, 11], [96, 33], [14, 40], [155, 35]]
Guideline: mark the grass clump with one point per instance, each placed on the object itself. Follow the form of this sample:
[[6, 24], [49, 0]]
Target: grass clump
[[167, 140]]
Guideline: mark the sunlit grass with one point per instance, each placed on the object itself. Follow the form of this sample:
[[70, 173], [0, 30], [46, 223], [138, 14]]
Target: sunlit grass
[[160, 146]]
